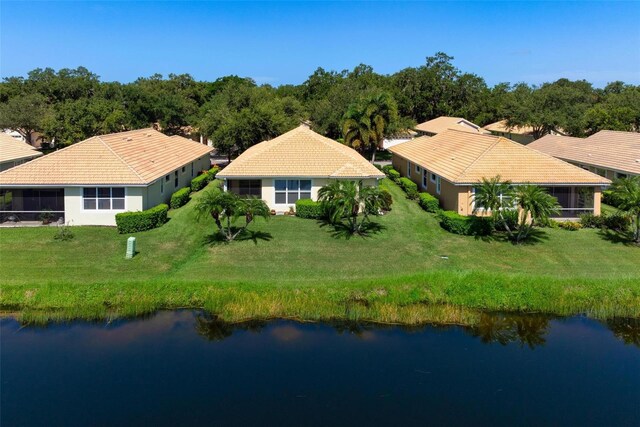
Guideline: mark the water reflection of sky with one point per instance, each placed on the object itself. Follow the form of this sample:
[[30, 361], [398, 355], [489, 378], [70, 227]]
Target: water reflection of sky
[[184, 368]]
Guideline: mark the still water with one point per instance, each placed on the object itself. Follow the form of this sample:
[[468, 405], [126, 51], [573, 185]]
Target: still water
[[185, 368]]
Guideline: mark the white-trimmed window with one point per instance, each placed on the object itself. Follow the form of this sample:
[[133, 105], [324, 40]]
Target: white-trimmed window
[[417, 169], [408, 169], [289, 190], [504, 201], [438, 184], [175, 180], [161, 187], [424, 178], [192, 170], [432, 177], [102, 198], [184, 168]]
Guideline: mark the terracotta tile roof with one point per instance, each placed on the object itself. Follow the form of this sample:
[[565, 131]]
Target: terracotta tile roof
[[12, 149], [137, 157], [465, 158], [301, 152], [440, 124], [501, 126], [607, 149]]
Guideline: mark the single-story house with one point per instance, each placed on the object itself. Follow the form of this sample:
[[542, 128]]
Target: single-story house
[[89, 182], [293, 166], [612, 154], [14, 152], [450, 164], [440, 124]]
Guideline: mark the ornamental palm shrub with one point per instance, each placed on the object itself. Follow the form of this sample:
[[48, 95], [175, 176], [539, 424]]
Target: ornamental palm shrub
[[490, 195], [226, 207], [626, 192], [536, 205], [350, 203]]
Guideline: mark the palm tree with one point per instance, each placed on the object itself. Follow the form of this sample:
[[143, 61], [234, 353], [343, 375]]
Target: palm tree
[[382, 110], [491, 195], [346, 200], [535, 205], [627, 192], [225, 207], [358, 130]]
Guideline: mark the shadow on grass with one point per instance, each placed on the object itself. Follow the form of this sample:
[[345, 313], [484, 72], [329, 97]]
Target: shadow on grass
[[535, 236], [618, 237], [219, 238], [342, 231]]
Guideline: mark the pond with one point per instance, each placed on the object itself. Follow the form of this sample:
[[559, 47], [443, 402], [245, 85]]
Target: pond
[[186, 367]]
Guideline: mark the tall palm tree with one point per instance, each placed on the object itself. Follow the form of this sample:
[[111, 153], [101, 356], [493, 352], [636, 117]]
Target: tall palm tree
[[536, 205], [627, 192], [348, 200], [382, 110], [358, 130], [491, 195]]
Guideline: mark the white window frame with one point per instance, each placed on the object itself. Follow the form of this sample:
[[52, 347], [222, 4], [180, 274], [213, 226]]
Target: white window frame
[[425, 179], [417, 168], [287, 190], [433, 177], [192, 170], [161, 186], [408, 169], [438, 184], [124, 199]]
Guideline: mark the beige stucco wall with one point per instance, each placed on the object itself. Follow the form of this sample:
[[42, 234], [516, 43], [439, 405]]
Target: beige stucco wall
[[153, 194], [75, 214]]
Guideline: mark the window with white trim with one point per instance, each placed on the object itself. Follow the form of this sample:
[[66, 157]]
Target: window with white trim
[[175, 181], [432, 177], [161, 187], [417, 169], [438, 184], [102, 198], [289, 190], [192, 170], [424, 178], [184, 168], [408, 169]]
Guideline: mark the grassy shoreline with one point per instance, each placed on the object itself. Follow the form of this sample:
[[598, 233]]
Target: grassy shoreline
[[293, 268]]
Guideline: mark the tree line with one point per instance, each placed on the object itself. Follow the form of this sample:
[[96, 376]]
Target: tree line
[[358, 106]]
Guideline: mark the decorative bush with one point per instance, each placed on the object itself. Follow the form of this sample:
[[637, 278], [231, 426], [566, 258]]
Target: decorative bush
[[307, 208], [132, 222], [199, 182], [180, 197], [211, 173], [387, 200], [387, 168], [609, 198], [569, 225], [409, 187], [465, 225], [617, 221], [428, 202], [589, 220]]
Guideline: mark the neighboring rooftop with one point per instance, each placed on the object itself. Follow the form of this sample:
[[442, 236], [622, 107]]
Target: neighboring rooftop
[[440, 124], [502, 126], [301, 152], [608, 149], [465, 158], [13, 149], [136, 157]]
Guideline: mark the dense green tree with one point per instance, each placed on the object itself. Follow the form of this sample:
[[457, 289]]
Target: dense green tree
[[25, 114]]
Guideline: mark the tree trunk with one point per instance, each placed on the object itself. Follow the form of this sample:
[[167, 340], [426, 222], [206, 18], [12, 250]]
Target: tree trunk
[[373, 155]]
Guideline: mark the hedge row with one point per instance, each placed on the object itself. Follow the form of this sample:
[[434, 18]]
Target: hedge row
[[455, 223], [428, 202], [307, 208], [409, 187], [201, 181], [180, 197], [132, 222], [393, 174]]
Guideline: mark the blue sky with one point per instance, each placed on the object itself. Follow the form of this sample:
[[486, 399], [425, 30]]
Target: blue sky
[[280, 43]]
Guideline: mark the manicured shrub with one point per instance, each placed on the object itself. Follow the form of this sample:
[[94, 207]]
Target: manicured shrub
[[428, 202], [394, 175], [307, 208], [180, 197], [618, 221], [387, 168], [199, 182], [569, 225], [132, 222], [409, 187], [609, 198], [589, 220], [387, 200], [211, 173], [455, 223]]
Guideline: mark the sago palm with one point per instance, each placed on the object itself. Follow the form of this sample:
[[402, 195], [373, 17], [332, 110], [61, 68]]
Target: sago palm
[[536, 205], [349, 201], [491, 195], [627, 192]]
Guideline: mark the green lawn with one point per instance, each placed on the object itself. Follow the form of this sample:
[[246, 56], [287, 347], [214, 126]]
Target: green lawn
[[293, 266]]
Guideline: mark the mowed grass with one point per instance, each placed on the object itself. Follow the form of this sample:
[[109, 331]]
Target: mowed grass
[[290, 266]]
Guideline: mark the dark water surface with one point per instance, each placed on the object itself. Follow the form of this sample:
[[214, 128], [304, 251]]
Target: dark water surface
[[185, 368]]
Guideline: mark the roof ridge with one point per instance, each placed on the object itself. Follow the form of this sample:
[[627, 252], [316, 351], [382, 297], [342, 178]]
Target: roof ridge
[[99, 137], [492, 145]]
